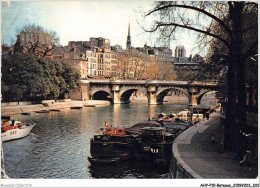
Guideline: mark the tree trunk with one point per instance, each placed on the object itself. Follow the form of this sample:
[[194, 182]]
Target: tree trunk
[[236, 114], [230, 141], [241, 85]]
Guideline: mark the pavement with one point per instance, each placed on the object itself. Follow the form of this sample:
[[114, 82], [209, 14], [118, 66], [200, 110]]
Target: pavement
[[202, 158]]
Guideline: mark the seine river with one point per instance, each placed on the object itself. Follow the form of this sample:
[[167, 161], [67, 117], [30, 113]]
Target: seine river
[[58, 146]]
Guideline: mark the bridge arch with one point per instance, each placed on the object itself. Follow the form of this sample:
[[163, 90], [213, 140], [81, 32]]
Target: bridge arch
[[161, 93], [101, 95], [126, 93], [202, 94]]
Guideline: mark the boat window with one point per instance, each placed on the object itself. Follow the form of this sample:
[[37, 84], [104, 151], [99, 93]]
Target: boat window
[[10, 133], [120, 131]]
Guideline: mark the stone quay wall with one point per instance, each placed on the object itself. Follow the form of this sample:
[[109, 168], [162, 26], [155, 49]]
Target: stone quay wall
[[27, 107]]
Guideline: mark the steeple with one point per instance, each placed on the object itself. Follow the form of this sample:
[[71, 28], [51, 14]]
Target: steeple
[[128, 41]]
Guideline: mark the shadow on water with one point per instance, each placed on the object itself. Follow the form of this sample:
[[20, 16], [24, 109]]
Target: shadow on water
[[130, 169]]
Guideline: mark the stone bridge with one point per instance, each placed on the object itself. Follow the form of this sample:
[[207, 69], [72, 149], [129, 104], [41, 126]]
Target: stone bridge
[[120, 91]]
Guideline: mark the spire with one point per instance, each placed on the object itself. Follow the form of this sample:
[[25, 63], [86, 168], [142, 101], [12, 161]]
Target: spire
[[128, 41], [129, 29]]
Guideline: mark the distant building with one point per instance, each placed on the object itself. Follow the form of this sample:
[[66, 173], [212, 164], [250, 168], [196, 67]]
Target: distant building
[[74, 53], [185, 67], [159, 53], [94, 58], [92, 63]]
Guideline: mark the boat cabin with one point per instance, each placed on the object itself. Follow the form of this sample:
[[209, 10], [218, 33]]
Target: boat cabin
[[158, 131], [115, 131]]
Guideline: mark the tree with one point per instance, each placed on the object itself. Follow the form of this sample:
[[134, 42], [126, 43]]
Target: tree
[[36, 40], [132, 65], [27, 77], [201, 18], [218, 60], [165, 70], [138, 65]]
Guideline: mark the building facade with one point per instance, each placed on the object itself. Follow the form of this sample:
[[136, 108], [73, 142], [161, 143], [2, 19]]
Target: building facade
[[186, 67]]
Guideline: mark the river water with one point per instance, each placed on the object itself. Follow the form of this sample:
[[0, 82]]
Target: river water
[[58, 146]]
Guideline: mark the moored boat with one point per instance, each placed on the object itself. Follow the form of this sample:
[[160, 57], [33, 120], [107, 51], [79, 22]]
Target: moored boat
[[11, 130], [147, 140], [43, 111], [162, 117], [26, 113], [111, 146], [153, 144], [76, 107], [55, 110]]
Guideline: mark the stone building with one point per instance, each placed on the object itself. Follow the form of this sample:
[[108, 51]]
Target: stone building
[[92, 63], [159, 53], [105, 57], [185, 67], [94, 58], [74, 53]]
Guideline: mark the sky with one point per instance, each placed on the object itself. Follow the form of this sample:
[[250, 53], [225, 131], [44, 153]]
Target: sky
[[80, 20]]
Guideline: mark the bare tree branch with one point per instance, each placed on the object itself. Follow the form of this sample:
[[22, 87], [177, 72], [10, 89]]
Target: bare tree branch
[[159, 24], [194, 8]]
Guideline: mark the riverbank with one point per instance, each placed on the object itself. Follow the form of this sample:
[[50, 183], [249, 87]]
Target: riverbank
[[197, 155], [17, 108]]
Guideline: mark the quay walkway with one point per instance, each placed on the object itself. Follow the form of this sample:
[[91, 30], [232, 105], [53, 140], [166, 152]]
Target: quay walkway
[[14, 108], [198, 157]]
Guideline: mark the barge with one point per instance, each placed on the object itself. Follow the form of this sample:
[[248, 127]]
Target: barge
[[149, 141]]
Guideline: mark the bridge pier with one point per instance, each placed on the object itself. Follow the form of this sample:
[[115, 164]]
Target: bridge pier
[[116, 94], [152, 97], [193, 96], [193, 101], [85, 90]]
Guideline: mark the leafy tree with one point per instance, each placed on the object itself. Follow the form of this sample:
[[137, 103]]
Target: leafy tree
[[201, 17], [27, 77]]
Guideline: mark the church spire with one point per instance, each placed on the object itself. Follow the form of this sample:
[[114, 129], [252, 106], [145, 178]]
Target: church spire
[[128, 41]]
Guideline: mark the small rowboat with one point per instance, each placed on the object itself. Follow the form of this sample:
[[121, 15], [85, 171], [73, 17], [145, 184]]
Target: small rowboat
[[76, 107], [43, 111], [26, 113], [55, 110]]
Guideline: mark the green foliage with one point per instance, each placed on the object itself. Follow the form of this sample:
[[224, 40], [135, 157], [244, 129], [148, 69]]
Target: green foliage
[[27, 77]]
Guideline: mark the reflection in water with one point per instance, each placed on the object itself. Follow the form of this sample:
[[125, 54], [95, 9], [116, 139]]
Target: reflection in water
[[59, 144], [129, 169]]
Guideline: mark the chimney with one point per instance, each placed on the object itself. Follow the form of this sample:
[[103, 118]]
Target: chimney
[[75, 48]]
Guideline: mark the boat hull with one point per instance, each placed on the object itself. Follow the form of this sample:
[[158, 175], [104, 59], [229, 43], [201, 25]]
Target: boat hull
[[103, 160], [110, 149], [17, 133]]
